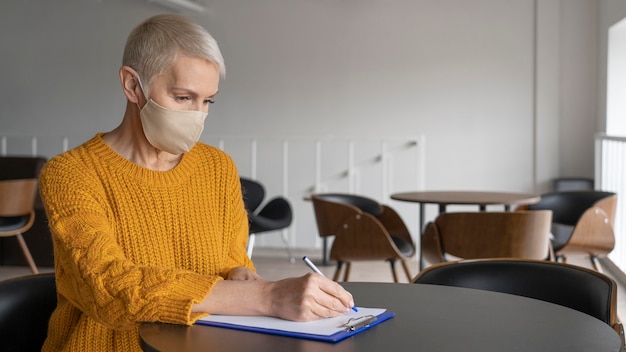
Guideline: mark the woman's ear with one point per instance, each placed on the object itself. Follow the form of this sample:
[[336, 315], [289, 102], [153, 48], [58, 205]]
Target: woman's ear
[[130, 85]]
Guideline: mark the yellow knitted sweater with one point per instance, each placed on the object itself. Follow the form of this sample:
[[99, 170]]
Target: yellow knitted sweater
[[133, 245]]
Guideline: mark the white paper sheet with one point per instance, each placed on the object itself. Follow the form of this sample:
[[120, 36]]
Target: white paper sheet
[[325, 327]]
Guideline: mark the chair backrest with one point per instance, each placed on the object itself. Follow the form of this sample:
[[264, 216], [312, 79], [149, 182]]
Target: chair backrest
[[331, 209], [26, 304], [19, 167], [572, 184], [360, 235], [253, 193], [571, 286], [367, 205], [473, 235], [567, 207], [17, 197]]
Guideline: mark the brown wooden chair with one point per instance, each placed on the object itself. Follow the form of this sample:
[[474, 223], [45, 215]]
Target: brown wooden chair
[[473, 235], [571, 286], [582, 223], [38, 237], [17, 213], [364, 230]]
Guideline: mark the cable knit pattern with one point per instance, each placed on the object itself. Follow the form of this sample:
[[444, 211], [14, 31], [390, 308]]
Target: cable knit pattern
[[133, 245]]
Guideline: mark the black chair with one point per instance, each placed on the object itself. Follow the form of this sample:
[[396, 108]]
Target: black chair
[[582, 222], [572, 184], [273, 216], [26, 304], [571, 286]]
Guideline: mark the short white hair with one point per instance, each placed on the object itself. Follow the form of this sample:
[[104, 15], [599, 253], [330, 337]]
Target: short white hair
[[153, 45]]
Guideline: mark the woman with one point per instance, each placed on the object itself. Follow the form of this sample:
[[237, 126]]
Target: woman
[[148, 224]]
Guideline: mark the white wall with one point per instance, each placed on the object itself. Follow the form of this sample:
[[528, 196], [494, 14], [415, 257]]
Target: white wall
[[579, 84], [616, 80], [610, 13], [386, 69], [504, 92], [616, 75]]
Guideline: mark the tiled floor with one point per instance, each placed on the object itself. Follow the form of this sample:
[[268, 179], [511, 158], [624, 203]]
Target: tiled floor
[[274, 264]]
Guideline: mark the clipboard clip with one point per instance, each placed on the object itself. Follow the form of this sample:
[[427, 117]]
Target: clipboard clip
[[359, 322]]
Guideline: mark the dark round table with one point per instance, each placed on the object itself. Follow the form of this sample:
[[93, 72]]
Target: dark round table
[[428, 318]]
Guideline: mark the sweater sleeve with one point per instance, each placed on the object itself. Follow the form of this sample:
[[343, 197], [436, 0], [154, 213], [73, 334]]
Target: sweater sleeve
[[92, 270]]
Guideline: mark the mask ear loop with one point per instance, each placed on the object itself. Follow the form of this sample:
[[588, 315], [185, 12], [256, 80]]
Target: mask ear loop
[[141, 86], [143, 91]]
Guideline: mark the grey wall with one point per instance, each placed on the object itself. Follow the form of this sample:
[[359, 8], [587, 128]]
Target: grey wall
[[507, 94]]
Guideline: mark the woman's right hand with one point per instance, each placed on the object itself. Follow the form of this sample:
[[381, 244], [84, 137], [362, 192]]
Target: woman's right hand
[[307, 298]]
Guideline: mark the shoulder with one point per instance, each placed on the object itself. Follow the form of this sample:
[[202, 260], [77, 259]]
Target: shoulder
[[206, 149], [215, 165], [75, 166], [72, 161], [212, 157]]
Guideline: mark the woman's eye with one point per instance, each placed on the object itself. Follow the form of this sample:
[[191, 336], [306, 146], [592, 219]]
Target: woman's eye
[[182, 98], [209, 101]]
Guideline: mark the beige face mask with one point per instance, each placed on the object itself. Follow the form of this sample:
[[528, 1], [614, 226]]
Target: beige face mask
[[173, 131]]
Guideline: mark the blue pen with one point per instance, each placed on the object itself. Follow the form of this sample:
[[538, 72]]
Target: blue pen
[[310, 264]]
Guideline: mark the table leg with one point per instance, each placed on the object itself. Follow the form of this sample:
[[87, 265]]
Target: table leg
[[442, 209], [325, 251], [421, 233], [422, 215]]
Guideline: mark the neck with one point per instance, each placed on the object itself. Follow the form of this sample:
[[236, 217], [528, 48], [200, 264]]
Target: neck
[[129, 141]]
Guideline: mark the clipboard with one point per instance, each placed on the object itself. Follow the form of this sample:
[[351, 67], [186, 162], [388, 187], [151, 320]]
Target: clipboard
[[327, 330]]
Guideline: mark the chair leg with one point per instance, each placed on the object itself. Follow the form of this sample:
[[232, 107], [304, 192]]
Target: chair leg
[[405, 266], [392, 263], [346, 274], [283, 236], [251, 238], [29, 257], [337, 271], [595, 263]]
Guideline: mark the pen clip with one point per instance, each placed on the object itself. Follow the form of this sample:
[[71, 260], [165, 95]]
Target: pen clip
[[354, 324]]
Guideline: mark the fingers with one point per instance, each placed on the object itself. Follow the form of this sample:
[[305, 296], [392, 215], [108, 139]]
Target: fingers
[[309, 297], [334, 298]]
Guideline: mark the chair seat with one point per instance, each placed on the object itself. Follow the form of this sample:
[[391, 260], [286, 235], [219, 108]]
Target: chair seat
[[261, 224], [275, 215], [561, 234], [406, 248], [13, 223]]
